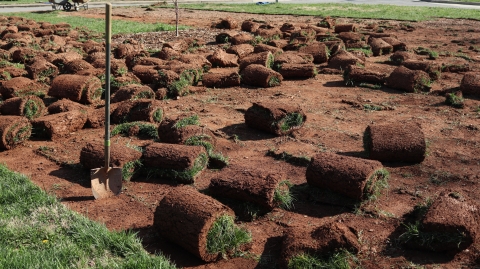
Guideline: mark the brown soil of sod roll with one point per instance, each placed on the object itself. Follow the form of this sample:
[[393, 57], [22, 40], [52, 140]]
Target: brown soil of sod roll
[[345, 175], [297, 71], [431, 68], [267, 31], [96, 117], [59, 125], [41, 69], [180, 162], [229, 23], [395, 142], [319, 52], [263, 47], [241, 50], [395, 43], [292, 57], [380, 47], [345, 28], [75, 66], [276, 118], [225, 37], [21, 86], [82, 89], [169, 134], [185, 209], [146, 73], [241, 38], [408, 80], [133, 91], [222, 59], [450, 222], [246, 184], [138, 110], [354, 74], [64, 105], [401, 56], [342, 59], [250, 26], [318, 242], [92, 155], [262, 58], [221, 78], [122, 50], [260, 76], [29, 106], [14, 130], [471, 83]]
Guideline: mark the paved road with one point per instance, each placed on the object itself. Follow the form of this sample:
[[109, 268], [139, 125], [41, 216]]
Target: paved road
[[46, 6]]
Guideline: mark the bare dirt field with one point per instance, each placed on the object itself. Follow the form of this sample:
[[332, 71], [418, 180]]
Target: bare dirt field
[[336, 118]]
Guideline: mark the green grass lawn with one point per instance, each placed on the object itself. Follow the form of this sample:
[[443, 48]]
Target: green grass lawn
[[362, 11], [36, 231]]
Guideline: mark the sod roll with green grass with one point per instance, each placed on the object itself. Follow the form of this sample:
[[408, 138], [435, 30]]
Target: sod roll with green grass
[[355, 74], [138, 110], [82, 89], [133, 92], [260, 187], [408, 80], [395, 142], [221, 78], [180, 162], [314, 247], [353, 177], [21, 86], [449, 224], [277, 118], [59, 125], [198, 223], [14, 130], [30, 106], [92, 156]]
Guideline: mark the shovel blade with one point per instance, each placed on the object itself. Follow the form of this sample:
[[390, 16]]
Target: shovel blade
[[106, 183]]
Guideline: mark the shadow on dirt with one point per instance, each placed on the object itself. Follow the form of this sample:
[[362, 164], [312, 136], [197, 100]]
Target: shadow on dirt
[[242, 132], [74, 175]]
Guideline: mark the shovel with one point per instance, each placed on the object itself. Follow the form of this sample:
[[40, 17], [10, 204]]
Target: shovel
[[107, 181]]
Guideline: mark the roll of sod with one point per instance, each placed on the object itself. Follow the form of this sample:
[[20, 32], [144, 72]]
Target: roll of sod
[[59, 125], [355, 74], [64, 105], [395, 43], [262, 58], [250, 26], [260, 76], [92, 156], [14, 130], [342, 59], [297, 71], [315, 243], [408, 80], [264, 47], [40, 69], [345, 28], [453, 233], [176, 130], [395, 142], [180, 162], [133, 92], [222, 59], [353, 177], [318, 50], [229, 23], [168, 54], [146, 73], [471, 83], [96, 117], [267, 31], [185, 209], [380, 47], [221, 78], [21, 86], [401, 56], [165, 78], [29, 106], [138, 110], [241, 38], [75, 66], [263, 188], [225, 37], [431, 68], [82, 89], [241, 50], [276, 118], [292, 58]]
